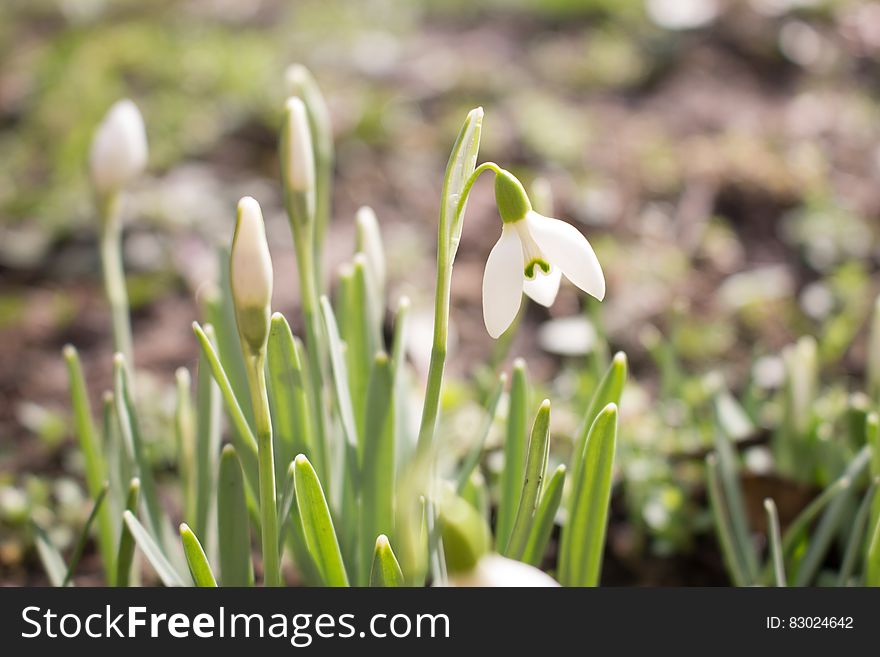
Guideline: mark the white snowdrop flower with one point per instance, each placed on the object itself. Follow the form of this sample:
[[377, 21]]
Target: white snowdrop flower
[[531, 256], [250, 271], [119, 148], [494, 570], [298, 156]]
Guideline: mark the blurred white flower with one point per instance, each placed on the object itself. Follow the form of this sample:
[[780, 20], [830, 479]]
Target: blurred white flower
[[531, 256], [495, 570], [119, 148]]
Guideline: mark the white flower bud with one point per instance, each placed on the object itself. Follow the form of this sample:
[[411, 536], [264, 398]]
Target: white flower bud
[[495, 570], [119, 148], [250, 272], [369, 242], [298, 156]]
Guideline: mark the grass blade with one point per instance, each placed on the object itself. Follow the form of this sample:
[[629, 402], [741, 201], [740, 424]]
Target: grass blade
[[196, 559], [822, 537], [220, 313], [233, 530], [152, 551], [207, 448], [476, 451], [514, 454], [609, 391], [184, 430], [583, 536], [125, 554], [855, 541], [377, 472], [287, 396], [775, 541], [317, 524], [729, 549], [545, 516], [90, 446], [872, 565], [130, 429], [242, 436], [536, 465], [385, 571], [50, 557], [728, 473], [84, 535]]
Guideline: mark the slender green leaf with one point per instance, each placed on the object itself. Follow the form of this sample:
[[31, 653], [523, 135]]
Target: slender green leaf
[[340, 374], [125, 553], [289, 402], [377, 472], [472, 459], [184, 429], [536, 466], [728, 472], [609, 391], [404, 439], [317, 524], [242, 436], [720, 514], [872, 565], [130, 429], [514, 454], [856, 538], [545, 516], [583, 535], [822, 537], [199, 567], [207, 449], [152, 552], [233, 530], [80, 545], [93, 456], [775, 541], [385, 571], [220, 313], [53, 562]]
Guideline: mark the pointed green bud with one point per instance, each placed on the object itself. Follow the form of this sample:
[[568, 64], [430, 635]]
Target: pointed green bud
[[465, 534], [511, 198], [250, 274]]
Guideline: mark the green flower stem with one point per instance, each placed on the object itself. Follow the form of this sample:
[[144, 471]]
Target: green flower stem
[[255, 366], [114, 275], [310, 300], [447, 245]]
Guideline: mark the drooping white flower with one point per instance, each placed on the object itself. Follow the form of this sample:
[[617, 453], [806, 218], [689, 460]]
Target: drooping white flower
[[493, 570], [250, 272], [119, 148], [532, 255]]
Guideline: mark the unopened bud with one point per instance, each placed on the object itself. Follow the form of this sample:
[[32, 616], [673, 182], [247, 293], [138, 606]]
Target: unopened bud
[[297, 154], [119, 148], [250, 272]]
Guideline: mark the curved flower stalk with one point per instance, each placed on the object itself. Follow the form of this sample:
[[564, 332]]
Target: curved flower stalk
[[118, 156], [531, 256]]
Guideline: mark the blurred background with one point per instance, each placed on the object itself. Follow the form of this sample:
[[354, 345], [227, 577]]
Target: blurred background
[[723, 157]]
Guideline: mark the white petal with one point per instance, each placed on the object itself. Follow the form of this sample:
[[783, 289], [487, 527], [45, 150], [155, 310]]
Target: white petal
[[563, 245], [503, 283], [543, 287]]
